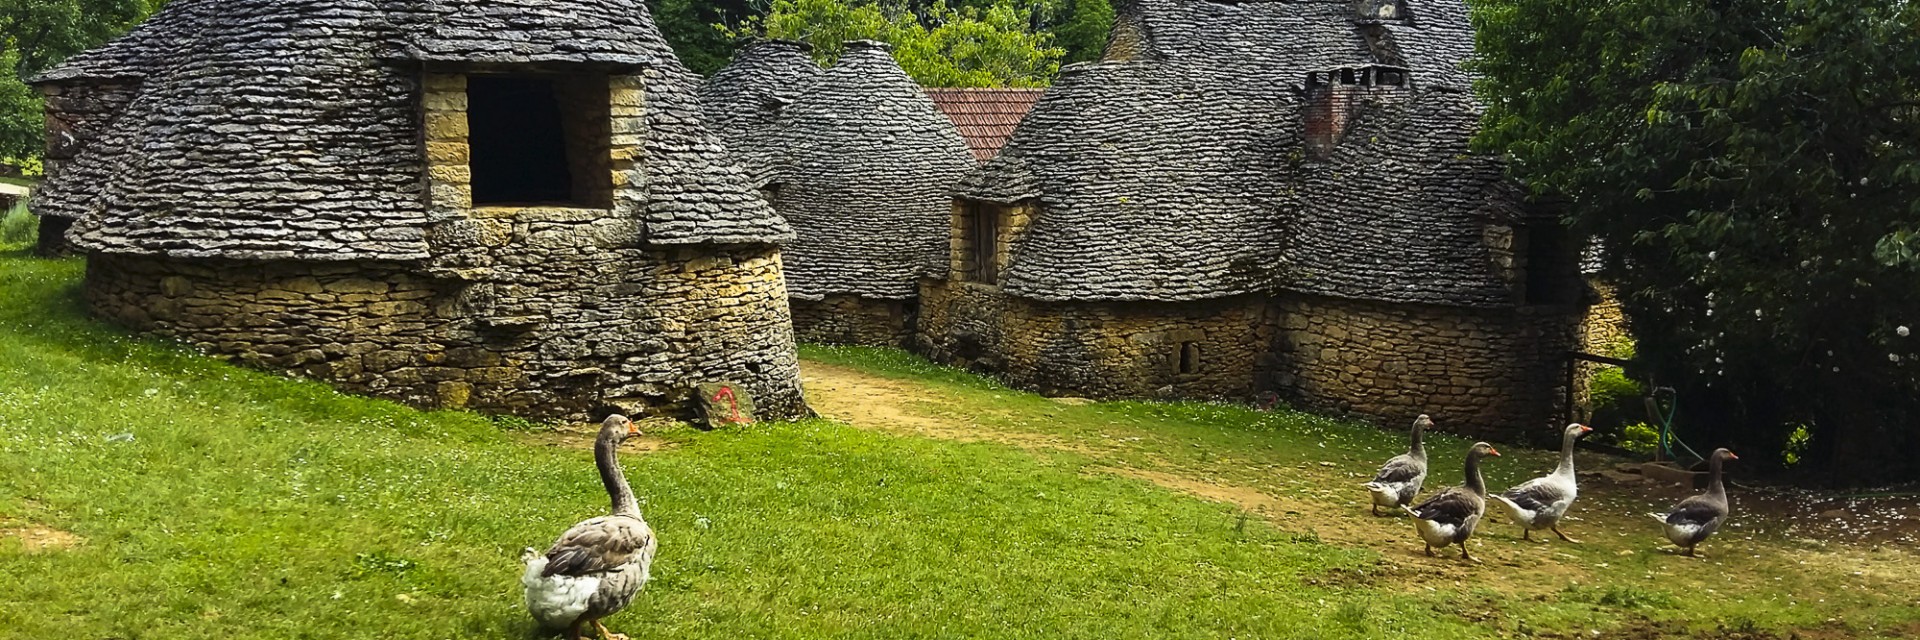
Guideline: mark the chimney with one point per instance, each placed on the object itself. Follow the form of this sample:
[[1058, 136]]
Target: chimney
[[1334, 95]]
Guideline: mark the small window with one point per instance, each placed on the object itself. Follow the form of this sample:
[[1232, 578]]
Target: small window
[[1347, 76], [1189, 358], [1551, 268], [1392, 78], [540, 141], [983, 242]]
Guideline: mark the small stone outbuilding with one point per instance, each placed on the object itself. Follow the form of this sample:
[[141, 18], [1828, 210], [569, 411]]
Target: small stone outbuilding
[[862, 165], [1265, 198], [511, 206]]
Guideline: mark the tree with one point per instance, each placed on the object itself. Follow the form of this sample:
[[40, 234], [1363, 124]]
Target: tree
[[35, 35], [994, 47], [1752, 168], [1084, 30], [693, 27]]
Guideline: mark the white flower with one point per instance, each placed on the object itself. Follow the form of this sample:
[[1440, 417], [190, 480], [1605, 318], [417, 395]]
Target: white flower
[[1902, 331], [1893, 357]]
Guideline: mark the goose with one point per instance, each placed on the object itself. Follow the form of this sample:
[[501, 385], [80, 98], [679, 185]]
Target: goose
[[1539, 503], [1696, 518], [595, 568], [1400, 478], [1449, 517]]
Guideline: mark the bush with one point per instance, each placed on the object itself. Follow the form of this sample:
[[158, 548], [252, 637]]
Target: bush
[[18, 228]]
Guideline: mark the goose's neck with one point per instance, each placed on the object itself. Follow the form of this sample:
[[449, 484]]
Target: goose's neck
[[1566, 456], [1417, 448], [1716, 488], [606, 456], [1475, 483]]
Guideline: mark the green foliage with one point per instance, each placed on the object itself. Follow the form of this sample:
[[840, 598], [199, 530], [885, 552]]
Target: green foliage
[[1085, 30], [18, 228], [967, 47], [693, 28], [1753, 167], [37, 34], [1795, 449], [1639, 438]]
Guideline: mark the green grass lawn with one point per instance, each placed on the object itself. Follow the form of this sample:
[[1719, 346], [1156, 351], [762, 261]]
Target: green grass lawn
[[210, 501]]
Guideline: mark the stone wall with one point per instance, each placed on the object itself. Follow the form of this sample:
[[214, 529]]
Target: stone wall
[[1202, 350], [854, 320], [1491, 373], [1494, 373], [639, 332]]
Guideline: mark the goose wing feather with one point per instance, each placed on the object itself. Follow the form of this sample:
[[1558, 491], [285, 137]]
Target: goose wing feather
[[1453, 506], [598, 545], [1535, 495], [1695, 511], [1400, 470]]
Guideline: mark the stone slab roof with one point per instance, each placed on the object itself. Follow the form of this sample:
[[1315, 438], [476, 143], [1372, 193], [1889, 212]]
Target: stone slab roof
[[323, 162], [134, 55], [744, 99], [861, 163], [1177, 168], [986, 117]]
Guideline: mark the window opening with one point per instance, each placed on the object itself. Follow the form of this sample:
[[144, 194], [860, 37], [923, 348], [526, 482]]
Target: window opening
[[1189, 357], [986, 241], [540, 141]]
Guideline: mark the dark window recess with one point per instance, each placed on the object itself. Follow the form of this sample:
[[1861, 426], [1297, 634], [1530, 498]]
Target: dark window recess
[[1552, 268], [1189, 357], [540, 141], [984, 242]]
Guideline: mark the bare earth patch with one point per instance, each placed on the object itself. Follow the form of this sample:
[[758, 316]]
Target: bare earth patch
[[36, 538]]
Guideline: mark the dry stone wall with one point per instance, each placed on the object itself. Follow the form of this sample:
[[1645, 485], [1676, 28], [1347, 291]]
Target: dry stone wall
[[1492, 373], [638, 332], [1204, 350], [841, 319]]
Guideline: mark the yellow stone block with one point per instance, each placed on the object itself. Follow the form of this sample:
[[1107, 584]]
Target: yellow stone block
[[441, 101], [451, 174], [444, 82], [449, 153], [625, 97], [447, 127]]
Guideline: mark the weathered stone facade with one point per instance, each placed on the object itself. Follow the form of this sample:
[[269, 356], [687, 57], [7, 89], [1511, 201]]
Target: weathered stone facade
[[1265, 199], [1098, 350], [1485, 373], [844, 319], [648, 322], [509, 208]]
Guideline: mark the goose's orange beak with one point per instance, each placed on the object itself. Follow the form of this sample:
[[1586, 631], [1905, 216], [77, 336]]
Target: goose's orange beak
[[1586, 429], [1731, 456], [1493, 452]]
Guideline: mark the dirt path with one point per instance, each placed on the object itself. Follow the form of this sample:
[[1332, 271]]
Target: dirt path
[[873, 402], [1308, 499]]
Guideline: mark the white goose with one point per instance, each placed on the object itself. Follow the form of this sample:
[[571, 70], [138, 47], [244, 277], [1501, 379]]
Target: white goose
[[596, 567], [1541, 502], [1400, 478]]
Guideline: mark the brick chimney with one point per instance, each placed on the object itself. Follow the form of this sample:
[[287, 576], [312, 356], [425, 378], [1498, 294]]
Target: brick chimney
[[1334, 95]]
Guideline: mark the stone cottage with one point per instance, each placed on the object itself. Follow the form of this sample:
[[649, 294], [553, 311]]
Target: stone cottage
[[511, 206], [862, 165], [1264, 198]]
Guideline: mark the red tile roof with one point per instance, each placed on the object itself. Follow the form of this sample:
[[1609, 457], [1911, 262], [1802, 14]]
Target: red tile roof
[[986, 117]]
